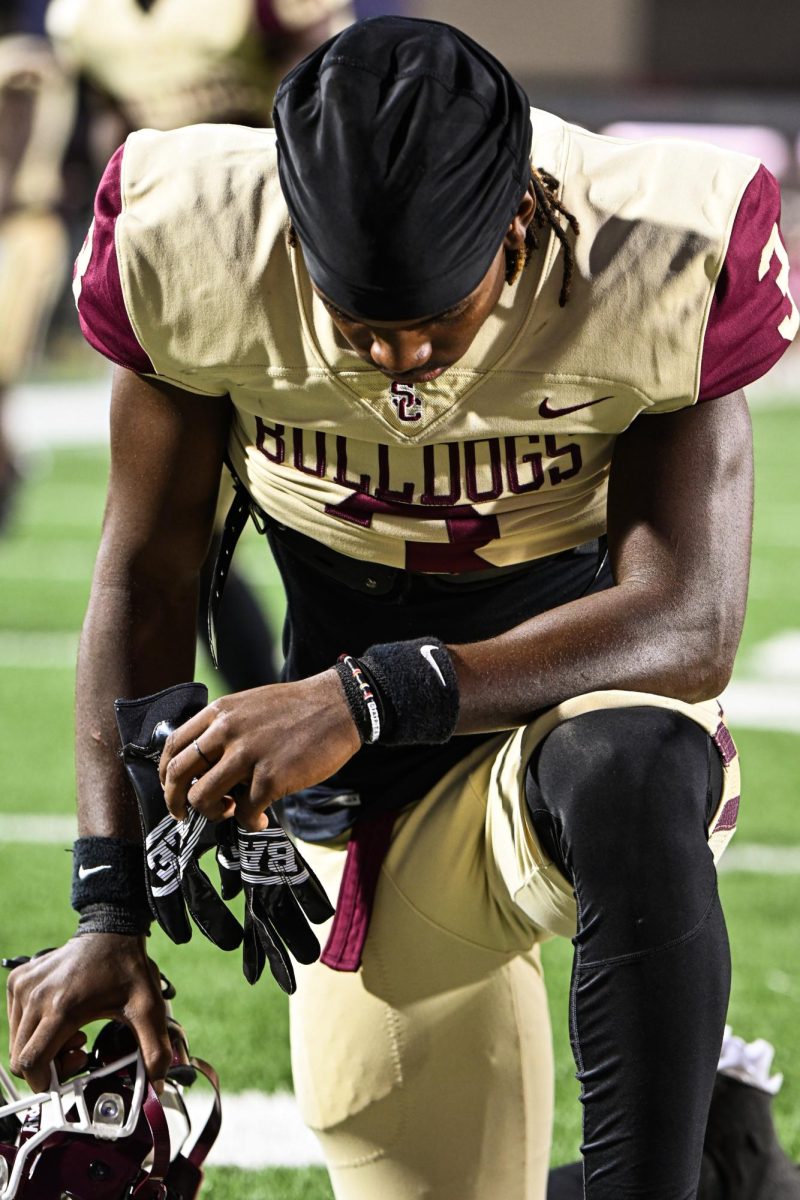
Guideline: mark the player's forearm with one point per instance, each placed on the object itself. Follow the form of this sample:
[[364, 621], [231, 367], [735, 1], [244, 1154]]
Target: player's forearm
[[137, 639], [139, 634], [679, 524], [626, 637]]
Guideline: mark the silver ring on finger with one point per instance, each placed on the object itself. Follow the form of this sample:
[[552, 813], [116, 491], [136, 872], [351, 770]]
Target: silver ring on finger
[[204, 757]]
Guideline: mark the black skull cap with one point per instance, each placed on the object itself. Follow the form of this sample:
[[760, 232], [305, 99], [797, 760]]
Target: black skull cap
[[404, 153]]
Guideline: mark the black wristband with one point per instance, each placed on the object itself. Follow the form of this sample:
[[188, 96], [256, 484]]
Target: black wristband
[[107, 870], [417, 688], [114, 918]]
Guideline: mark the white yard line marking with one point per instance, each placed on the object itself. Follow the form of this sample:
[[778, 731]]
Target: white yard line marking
[[257, 1131], [62, 414], [53, 830], [26, 650], [752, 859], [776, 658], [762, 705]]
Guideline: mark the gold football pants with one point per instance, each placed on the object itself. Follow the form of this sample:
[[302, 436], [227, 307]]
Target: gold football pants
[[428, 1073]]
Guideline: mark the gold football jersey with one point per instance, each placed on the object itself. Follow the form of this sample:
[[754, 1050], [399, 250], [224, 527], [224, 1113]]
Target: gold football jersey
[[176, 62], [505, 457]]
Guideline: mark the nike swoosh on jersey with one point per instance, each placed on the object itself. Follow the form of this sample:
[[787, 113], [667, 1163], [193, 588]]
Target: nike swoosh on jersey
[[427, 654], [85, 872], [546, 411]]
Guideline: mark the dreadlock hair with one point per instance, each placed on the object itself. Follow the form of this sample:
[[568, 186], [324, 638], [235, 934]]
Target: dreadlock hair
[[549, 211]]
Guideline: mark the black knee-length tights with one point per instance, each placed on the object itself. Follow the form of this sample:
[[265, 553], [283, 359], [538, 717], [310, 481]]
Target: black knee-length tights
[[620, 799]]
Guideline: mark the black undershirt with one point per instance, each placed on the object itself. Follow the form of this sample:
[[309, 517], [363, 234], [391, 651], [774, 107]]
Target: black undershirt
[[335, 605]]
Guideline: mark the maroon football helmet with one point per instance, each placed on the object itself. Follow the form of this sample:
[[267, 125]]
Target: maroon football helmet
[[106, 1135]]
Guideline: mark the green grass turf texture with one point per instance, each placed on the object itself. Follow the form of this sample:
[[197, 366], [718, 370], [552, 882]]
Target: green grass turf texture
[[44, 574]]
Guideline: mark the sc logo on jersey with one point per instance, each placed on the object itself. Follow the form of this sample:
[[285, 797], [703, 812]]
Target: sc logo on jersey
[[406, 401]]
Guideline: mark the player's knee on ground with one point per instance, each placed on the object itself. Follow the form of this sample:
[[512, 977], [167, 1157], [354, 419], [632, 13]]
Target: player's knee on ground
[[620, 799]]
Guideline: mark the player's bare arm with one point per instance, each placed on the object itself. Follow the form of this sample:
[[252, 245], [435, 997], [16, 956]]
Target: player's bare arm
[[138, 633], [672, 623], [138, 637]]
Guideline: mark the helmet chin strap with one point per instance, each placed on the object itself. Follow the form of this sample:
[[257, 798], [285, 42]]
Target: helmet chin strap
[[159, 1129], [210, 1131]]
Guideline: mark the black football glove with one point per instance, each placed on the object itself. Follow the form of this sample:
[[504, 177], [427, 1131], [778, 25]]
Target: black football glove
[[230, 872], [278, 885], [282, 894], [175, 880]]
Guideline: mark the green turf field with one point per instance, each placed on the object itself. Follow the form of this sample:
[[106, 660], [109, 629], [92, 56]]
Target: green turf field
[[44, 572]]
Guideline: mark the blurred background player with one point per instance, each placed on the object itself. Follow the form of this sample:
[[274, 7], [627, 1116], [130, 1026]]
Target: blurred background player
[[37, 113], [166, 63], [154, 63]]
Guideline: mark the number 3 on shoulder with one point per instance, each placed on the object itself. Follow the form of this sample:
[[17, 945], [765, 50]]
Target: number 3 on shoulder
[[776, 249]]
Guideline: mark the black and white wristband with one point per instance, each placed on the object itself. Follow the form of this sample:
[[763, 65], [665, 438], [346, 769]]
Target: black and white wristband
[[361, 697], [108, 886], [402, 693]]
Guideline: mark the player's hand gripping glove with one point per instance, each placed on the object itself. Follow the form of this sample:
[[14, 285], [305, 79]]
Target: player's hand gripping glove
[[278, 886], [172, 849], [281, 893]]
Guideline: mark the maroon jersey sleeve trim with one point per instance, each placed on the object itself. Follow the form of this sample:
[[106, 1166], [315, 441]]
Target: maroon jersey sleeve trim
[[753, 318], [102, 314]]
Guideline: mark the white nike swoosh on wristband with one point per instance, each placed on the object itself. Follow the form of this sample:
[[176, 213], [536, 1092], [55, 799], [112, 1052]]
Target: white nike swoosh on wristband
[[427, 654], [83, 872]]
